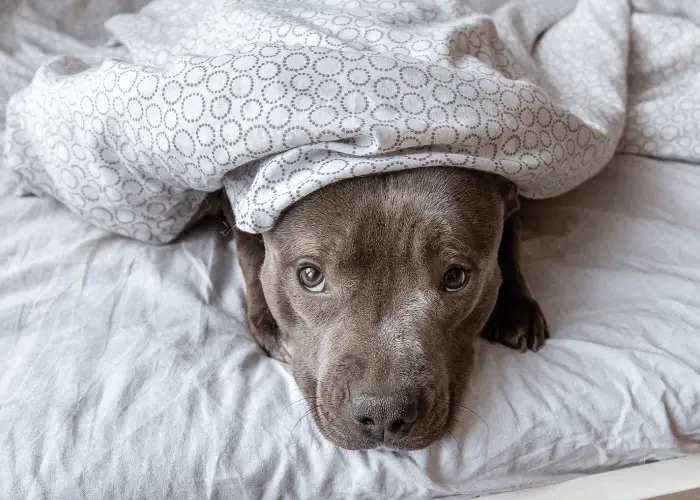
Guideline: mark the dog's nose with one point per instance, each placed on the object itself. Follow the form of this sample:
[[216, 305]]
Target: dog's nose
[[384, 417]]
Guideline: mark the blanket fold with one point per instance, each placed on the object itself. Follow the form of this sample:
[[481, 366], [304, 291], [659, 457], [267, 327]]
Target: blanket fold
[[272, 100]]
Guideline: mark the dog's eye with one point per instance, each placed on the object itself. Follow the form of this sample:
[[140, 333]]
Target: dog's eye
[[454, 279], [312, 279]]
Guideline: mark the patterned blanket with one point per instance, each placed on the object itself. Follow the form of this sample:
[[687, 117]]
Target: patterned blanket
[[273, 99]]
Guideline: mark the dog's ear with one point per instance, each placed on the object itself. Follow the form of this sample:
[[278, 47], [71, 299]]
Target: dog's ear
[[509, 191], [250, 252]]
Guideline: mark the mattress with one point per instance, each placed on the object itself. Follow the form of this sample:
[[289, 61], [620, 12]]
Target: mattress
[[126, 370]]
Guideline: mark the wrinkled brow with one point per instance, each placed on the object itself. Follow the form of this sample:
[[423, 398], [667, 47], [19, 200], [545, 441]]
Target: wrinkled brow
[[447, 246], [318, 249]]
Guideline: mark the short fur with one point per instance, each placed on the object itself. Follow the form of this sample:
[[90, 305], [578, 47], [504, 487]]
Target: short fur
[[383, 330]]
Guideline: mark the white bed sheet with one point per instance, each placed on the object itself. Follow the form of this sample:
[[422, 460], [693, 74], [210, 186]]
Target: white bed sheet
[[125, 371]]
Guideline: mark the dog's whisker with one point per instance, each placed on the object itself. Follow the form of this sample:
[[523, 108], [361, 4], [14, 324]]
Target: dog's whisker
[[464, 427], [306, 399], [315, 435], [453, 437], [442, 443], [475, 413], [294, 427], [459, 422], [319, 432], [306, 414], [470, 392], [330, 421], [306, 378]]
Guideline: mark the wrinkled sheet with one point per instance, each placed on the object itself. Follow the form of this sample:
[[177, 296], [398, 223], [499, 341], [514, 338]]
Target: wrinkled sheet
[[275, 99], [126, 372]]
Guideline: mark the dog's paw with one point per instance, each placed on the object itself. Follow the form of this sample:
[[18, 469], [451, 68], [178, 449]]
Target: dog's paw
[[517, 323]]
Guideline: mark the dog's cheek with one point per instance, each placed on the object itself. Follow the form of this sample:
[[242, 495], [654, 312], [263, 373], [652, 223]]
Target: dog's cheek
[[488, 298], [310, 340], [466, 327], [472, 311], [276, 296]]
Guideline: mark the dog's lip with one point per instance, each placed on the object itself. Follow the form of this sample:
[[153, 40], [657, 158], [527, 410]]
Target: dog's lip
[[361, 444]]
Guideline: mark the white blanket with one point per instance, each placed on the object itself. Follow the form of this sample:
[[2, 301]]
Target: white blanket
[[274, 99]]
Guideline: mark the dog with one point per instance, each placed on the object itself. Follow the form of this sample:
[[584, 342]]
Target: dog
[[374, 289]]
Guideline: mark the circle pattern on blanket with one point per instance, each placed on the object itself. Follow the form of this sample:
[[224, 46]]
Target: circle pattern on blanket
[[662, 124], [273, 100]]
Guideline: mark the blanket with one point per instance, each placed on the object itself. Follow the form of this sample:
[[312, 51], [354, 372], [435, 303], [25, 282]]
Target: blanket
[[274, 99]]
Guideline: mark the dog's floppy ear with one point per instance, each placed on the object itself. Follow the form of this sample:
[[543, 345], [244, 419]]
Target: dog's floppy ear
[[250, 251], [509, 191]]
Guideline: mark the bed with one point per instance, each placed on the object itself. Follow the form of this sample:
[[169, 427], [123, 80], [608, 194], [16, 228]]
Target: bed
[[126, 370]]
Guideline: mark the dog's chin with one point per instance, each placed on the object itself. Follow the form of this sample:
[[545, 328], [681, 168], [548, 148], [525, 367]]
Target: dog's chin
[[348, 438]]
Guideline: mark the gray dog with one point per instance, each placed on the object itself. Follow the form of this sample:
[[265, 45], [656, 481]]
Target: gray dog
[[374, 288]]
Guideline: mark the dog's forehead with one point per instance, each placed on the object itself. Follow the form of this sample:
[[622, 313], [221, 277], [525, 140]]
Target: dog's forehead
[[435, 209]]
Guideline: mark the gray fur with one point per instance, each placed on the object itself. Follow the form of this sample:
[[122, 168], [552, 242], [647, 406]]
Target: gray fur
[[382, 330]]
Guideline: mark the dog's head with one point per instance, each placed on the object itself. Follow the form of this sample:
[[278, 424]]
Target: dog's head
[[380, 285]]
